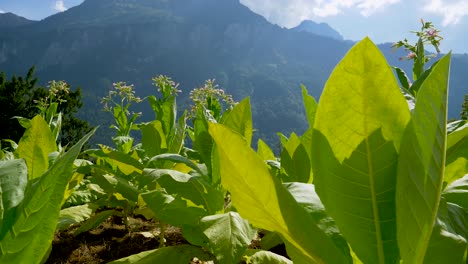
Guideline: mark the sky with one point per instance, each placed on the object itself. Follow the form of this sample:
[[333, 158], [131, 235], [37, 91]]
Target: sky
[[381, 20]]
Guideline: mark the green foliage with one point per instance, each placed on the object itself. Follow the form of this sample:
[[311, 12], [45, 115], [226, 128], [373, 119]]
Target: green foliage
[[16, 99], [427, 35], [175, 254], [378, 170], [212, 98], [228, 235], [262, 200], [464, 111], [421, 166], [378, 177], [356, 142], [27, 234], [35, 146], [57, 104], [118, 102]]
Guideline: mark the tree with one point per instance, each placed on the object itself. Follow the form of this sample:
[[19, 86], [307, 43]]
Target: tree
[[16, 99], [464, 111], [21, 97]]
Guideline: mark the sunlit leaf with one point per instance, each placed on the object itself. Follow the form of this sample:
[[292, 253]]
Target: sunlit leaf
[[421, 166], [358, 127], [262, 199]]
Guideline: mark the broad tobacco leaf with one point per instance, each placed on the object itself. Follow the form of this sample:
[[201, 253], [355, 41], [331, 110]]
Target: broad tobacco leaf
[[75, 215], [191, 188], [421, 165], [153, 139], [35, 146], [30, 235], [240, 119], [310, 106], [260, 198], [306, 196], [456, 165], [357, 133], [175, 254], [13, 181], [253, 256], [448, 243], [264, 151], [457, 192], [229, 235]]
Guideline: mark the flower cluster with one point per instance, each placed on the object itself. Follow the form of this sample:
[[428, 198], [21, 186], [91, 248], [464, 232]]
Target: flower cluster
[[57, 90], [427, 35], [166, 86], [126, 94], [204, 95]]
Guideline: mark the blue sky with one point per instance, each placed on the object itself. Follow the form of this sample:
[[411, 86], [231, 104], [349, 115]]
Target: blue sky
[[381, 20]]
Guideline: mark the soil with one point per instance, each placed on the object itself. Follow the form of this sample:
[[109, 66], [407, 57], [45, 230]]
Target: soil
[[110, 241]]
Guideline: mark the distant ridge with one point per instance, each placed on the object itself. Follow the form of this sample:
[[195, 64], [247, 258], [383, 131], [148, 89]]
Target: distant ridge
[[322, 29], [11, 20], [100, 42]]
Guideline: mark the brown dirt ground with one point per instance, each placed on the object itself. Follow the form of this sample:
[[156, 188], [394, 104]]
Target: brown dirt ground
[[110, 241]]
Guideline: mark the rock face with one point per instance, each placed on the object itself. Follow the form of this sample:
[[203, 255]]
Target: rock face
[[322, 29]]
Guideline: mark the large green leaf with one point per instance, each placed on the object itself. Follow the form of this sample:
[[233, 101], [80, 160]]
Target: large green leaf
[[306, 196], [456, 165], [360, 97], [173, 210], [165, 111], [75, 215], [153, 139], [421, 165], [202, 141], [177, 136], [358, 127], [448, 243], [96, 220], [239, 119], [123, 143], [31, 235], [229, 235], [35, 146], [264, 151], [177, 159], [457, 192], [126, 163], [192, 188], [359, 194], [261, 199], [13, 181], [297, 166], [177, 254], [310, 106], [253, 256]]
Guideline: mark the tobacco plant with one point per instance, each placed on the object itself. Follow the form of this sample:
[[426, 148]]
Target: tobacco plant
[[382, 189], [115, 180], [32, 191]]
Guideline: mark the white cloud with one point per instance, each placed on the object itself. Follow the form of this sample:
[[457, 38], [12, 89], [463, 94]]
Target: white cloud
[[1, 11], [60, 6], [291, 12], [365, 7], [451, 11]]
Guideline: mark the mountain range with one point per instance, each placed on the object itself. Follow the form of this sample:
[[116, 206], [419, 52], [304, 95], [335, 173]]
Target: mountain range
[[104, 41]]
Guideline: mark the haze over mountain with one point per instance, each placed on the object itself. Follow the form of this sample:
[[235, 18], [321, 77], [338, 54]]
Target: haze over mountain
[[104, 41]]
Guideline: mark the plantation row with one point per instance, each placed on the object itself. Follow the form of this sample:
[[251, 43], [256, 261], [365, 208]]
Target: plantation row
[[379, 177]]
